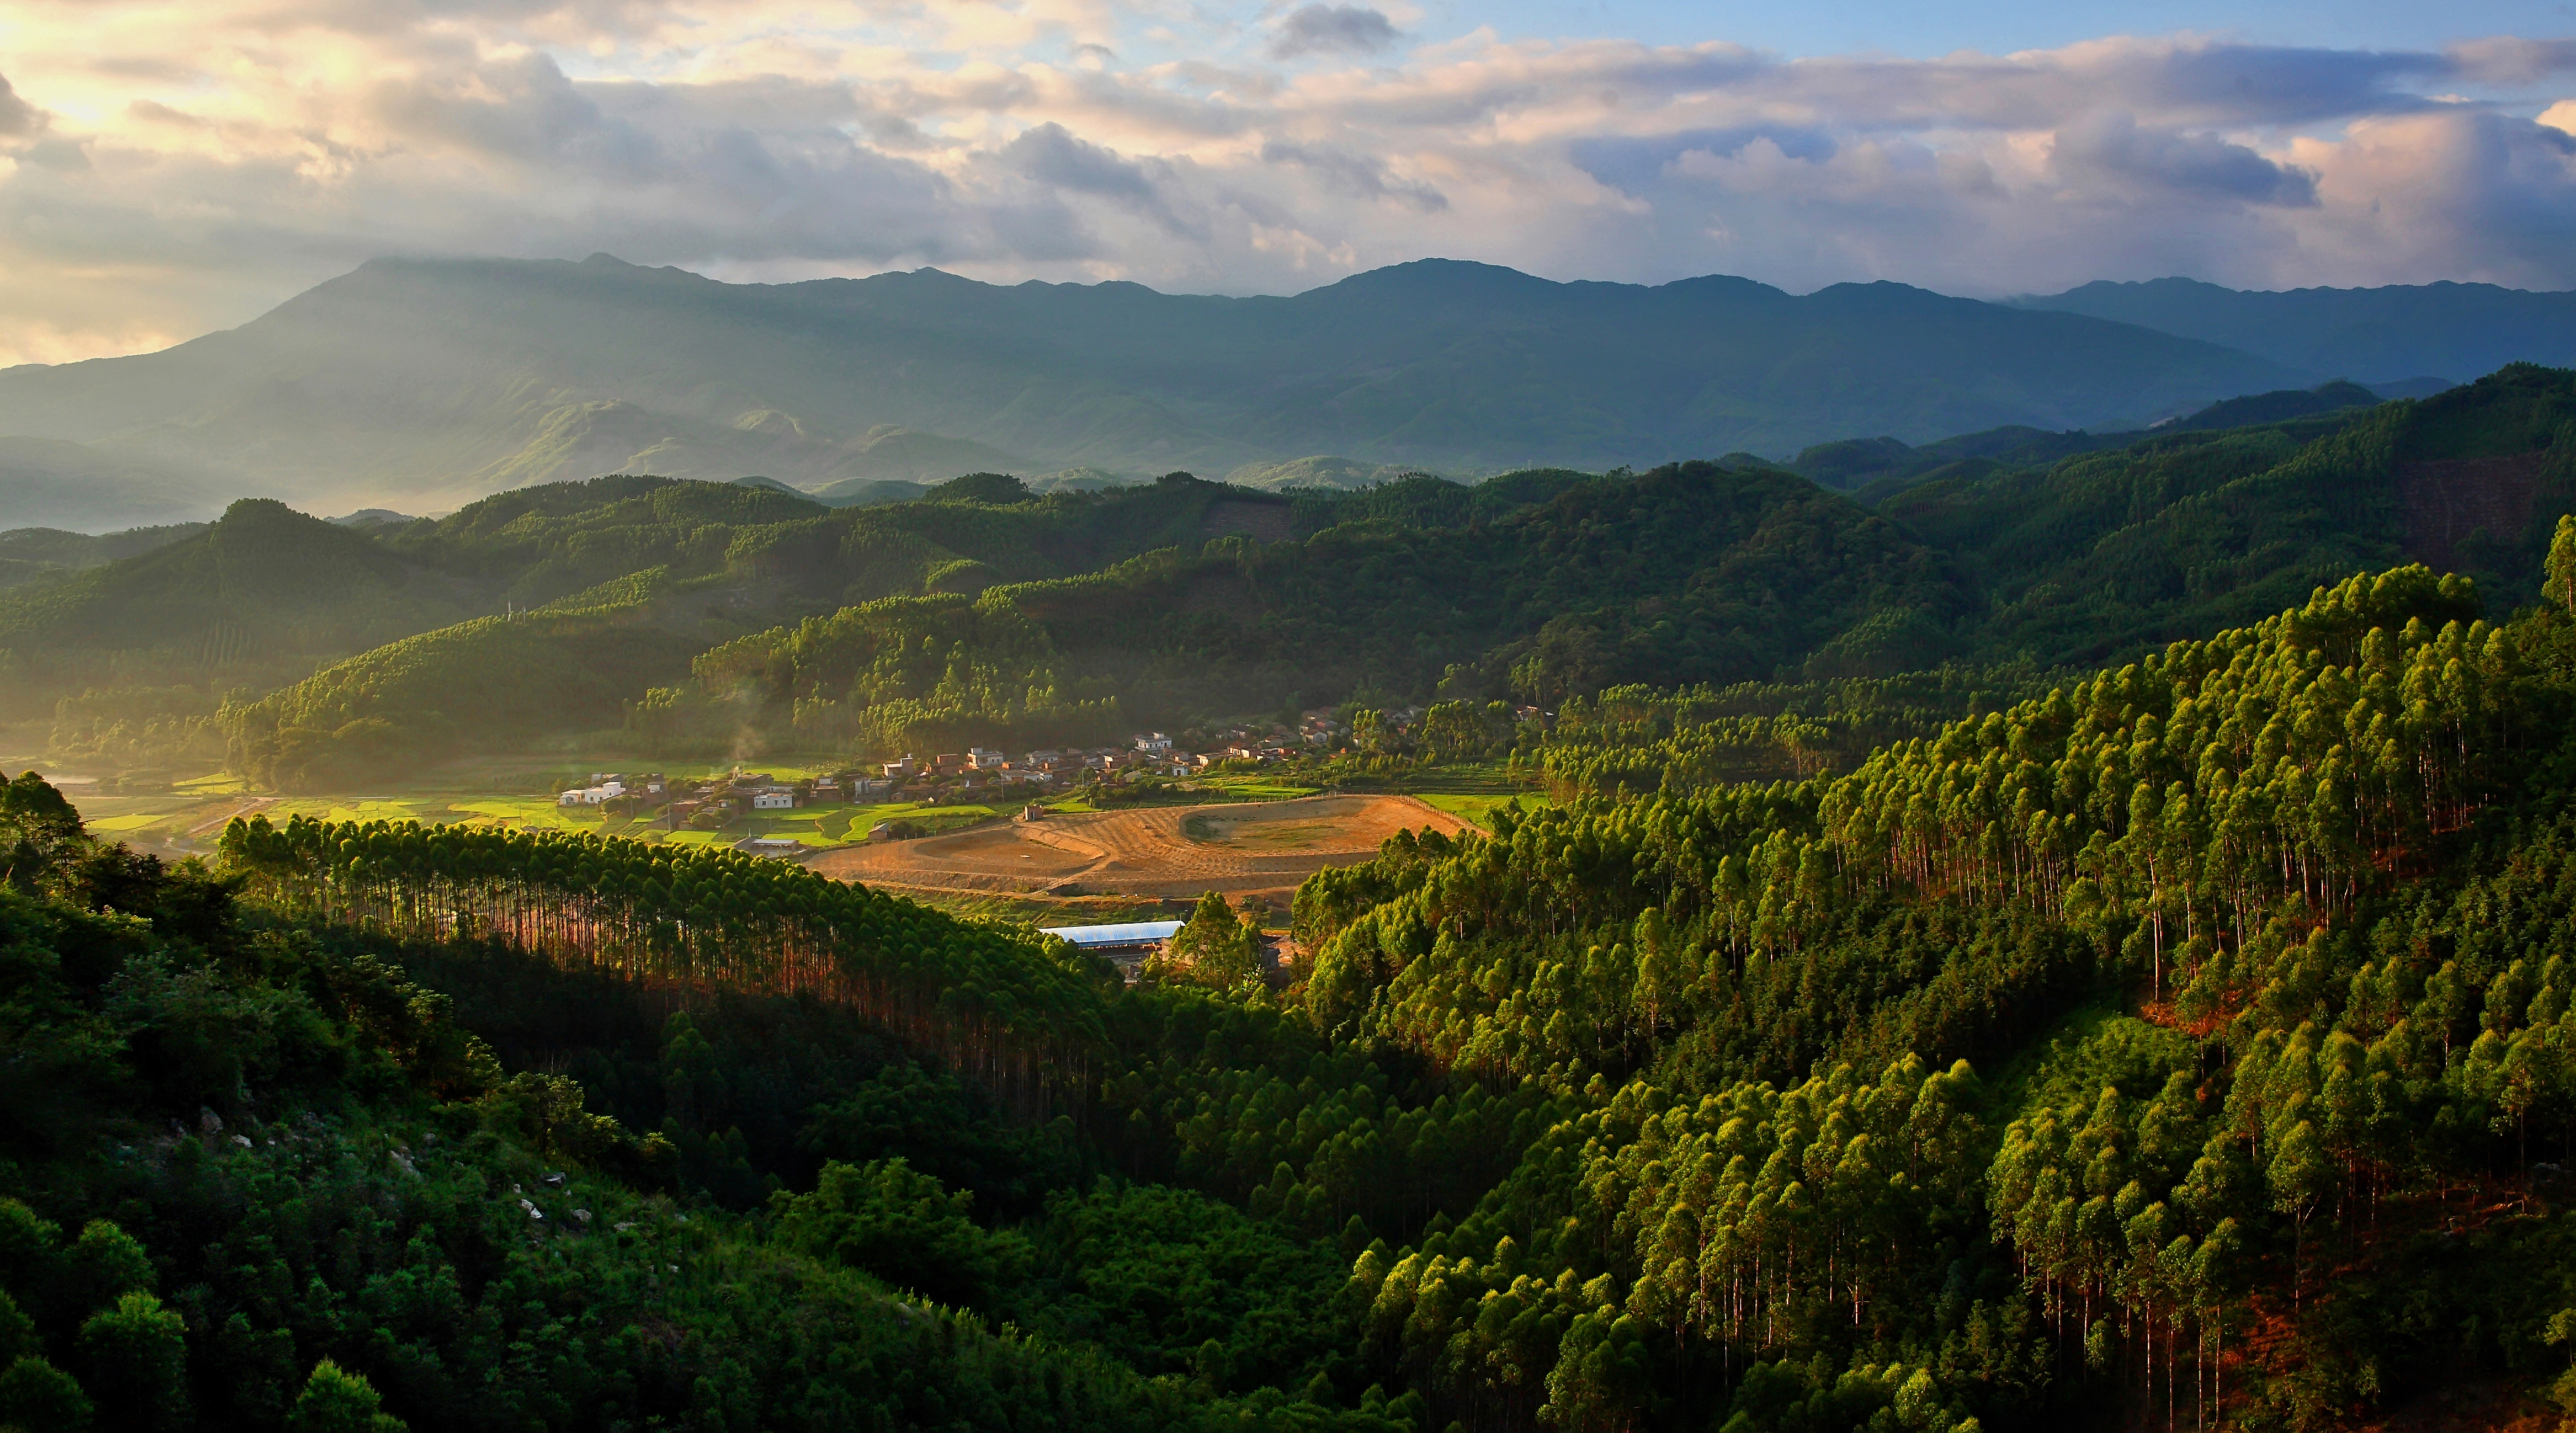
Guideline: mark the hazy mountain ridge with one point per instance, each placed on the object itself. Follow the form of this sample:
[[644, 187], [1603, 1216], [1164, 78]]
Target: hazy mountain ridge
[[427, 383], [55, 483], [2377, 336]]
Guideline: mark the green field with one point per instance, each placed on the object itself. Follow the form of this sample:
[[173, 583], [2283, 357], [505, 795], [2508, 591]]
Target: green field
[[1258, 787], [173, 820], [1477, 807]]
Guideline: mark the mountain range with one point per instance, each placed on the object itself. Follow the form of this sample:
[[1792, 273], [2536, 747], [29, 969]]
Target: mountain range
[[2448, 332], [424, 384]]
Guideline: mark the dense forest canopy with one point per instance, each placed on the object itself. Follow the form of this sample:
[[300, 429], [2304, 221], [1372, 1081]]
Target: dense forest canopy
[[991, 614], [2185, 1040]]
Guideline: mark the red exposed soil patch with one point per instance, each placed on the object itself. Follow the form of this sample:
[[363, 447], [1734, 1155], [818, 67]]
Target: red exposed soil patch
[[2446, 500], [1227, 516]]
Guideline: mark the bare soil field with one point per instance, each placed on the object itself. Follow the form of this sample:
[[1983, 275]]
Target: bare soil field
[[1170, 852]]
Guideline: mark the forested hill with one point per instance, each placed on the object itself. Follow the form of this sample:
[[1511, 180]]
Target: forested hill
[[2181, 535], [689, 611], [423, 384], [2189, 1042], [1692, 569], [265, 595]]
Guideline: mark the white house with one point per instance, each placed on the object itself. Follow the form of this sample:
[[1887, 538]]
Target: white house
[[1153, 741], [773, 801]]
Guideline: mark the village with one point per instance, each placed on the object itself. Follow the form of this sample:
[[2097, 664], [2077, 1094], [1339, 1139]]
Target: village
[[978, 774]]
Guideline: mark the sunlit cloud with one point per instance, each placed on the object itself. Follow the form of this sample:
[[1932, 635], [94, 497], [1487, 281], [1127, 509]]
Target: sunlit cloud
[[217, 157]]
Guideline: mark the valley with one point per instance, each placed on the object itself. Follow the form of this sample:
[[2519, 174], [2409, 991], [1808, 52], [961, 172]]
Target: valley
[[2001, 932]]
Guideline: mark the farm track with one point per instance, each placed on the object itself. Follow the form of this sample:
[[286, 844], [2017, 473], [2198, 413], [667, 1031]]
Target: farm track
[[244, 809], [1163, 852]]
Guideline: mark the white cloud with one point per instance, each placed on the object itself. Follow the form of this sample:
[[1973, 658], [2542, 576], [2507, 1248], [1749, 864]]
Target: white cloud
[[165, 168]]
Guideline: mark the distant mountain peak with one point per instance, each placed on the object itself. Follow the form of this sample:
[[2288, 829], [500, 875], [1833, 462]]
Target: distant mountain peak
[[1438, 276]]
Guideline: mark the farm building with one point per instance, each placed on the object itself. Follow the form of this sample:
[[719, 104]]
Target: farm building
[[1127, 944], [773, 801]]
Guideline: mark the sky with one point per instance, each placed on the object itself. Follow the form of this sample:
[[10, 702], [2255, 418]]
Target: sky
[[169, 167]]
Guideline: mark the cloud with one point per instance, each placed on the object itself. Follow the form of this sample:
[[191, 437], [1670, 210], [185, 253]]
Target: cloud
[[2506, 60], [1052, 157], [1317, 29], [1639, 164], [2446, 195], [17, 117], [195, 163], [2112, 148], [1354, 174]]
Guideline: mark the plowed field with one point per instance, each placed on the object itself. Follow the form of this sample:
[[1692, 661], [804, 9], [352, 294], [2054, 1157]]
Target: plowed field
[[1167, 852]]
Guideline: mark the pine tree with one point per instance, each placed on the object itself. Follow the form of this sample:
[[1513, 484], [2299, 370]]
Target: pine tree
[[1213, 948], [338, 1401], [2562, 564]]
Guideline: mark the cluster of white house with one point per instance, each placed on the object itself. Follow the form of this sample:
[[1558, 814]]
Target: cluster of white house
[[607, 786]]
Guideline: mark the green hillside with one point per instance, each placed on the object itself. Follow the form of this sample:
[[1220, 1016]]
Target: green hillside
[[261, 595], [2190, 1035], [1057, 615], [620, 583], [1552, 582], [1543, 586], [2183, 534], [267, 1169], [33, 554]]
